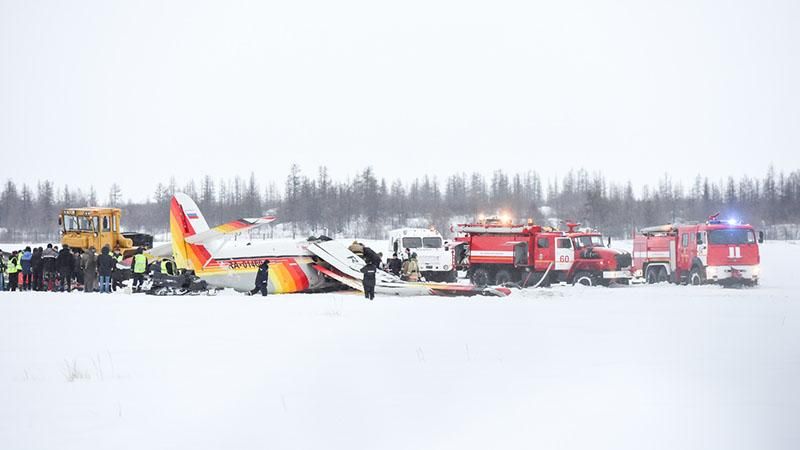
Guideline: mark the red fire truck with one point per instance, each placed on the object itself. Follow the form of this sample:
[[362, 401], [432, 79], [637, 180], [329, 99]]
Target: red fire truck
[[493, 252], [724, 252]]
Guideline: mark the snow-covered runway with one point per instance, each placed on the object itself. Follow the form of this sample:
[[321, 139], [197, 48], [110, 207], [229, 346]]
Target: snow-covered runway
[[664, 367]]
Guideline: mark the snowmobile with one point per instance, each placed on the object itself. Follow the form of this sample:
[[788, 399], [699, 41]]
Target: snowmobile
[[184, 283]]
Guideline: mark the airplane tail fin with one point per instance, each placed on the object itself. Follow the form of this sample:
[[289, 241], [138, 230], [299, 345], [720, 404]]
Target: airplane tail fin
[[185, 221]]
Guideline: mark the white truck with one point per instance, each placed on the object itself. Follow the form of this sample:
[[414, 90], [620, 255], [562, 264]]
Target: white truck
[[434, 256]]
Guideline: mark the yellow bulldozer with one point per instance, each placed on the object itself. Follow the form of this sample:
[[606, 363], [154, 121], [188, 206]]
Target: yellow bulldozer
[[97, 227]]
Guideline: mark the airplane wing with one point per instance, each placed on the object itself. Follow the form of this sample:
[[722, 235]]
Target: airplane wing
[[236, 226], [347, 270], [161, 251]]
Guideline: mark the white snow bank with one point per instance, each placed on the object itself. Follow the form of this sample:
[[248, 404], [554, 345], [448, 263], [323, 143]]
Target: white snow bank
[[656, 367]]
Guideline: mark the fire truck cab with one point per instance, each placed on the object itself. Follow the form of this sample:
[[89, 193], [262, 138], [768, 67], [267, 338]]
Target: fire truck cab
[[723, 252], [594, 262]]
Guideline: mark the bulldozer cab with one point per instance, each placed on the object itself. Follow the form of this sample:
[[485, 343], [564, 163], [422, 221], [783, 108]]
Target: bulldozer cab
[[92, 227]]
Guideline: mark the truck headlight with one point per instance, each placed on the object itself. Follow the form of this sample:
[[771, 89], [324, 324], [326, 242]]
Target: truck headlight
[[446, 267]]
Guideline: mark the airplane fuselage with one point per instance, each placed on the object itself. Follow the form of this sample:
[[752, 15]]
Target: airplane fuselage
[[235, 266]]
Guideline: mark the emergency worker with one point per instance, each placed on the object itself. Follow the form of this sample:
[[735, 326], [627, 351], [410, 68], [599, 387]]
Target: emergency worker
[[262, 279], [412, 269], [167, 267], [13, 269], [139, 269], [369, 271]]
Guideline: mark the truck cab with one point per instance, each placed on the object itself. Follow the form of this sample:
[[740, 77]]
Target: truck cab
[[595, 263], [434, 255], [98, 227], [719, 253]]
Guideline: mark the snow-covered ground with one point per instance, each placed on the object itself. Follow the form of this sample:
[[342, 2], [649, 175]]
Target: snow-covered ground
[[640, 367]]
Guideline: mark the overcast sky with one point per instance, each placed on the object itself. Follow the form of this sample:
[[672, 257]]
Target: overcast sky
[[138, 91]]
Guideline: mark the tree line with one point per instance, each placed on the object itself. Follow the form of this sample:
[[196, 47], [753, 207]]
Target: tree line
[[366, 205]]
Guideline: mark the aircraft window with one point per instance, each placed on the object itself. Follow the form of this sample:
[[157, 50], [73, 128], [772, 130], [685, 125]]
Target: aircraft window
[[543, 243], [731, 236], [432, 242], [412, 242]]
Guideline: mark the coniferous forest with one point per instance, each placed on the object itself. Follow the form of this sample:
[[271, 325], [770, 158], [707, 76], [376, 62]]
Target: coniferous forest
[[366, 205]]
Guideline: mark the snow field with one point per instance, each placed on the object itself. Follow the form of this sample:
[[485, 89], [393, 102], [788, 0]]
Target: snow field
[[656, 367]]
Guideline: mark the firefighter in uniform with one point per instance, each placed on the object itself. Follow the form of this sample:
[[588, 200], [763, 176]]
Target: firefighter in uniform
[[411, 270], [139, 269]]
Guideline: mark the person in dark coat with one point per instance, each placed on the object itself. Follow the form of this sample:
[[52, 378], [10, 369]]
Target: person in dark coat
[[369, 256], [394, 264], [369, 271], [105, 267], [65, 263], [49, 262], [89, 266], [37, 265], [77, 270], [118, 272], [262, 279]]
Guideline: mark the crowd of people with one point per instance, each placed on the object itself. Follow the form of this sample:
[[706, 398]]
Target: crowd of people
[[63, 270]]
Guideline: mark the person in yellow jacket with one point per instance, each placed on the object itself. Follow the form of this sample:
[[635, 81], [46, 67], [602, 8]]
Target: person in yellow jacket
[[14, 268], [167, 267], [139, 269]]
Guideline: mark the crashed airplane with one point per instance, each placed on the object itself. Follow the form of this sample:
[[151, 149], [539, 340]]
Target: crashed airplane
[[294, 266]]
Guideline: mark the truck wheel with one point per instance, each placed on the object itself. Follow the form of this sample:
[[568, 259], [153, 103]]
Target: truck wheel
[[502, 277], [584, 278], [662, 275], [452, 277], [481, 277], [652, 274], [696, 277]]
